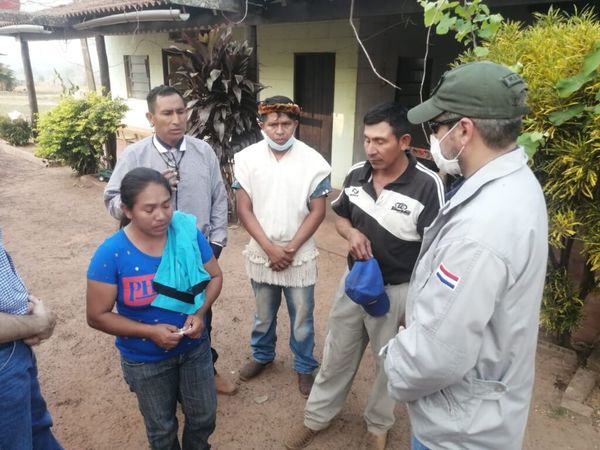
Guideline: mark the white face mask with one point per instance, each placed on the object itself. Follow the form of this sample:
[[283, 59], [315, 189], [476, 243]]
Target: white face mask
[[450, 166], [279, 147]]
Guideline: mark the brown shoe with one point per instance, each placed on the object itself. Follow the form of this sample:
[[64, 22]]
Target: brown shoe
[[300, 437], [376, 441], [252, 369], [224, 385], [305, 383]]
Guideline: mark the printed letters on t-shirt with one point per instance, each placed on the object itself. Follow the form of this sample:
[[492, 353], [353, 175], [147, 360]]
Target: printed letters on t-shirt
[[138, 290]]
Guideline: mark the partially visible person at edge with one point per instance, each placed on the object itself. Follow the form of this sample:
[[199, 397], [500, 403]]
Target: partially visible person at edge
[[384, 206], [465, 362], [192, 168], [281, 188], [25, 422], [165, 353]]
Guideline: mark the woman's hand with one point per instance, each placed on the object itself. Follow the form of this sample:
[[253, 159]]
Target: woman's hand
[[194, 325], [165, 336]]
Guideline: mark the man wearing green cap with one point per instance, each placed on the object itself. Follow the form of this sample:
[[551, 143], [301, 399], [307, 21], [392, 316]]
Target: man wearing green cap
[[465, 362]]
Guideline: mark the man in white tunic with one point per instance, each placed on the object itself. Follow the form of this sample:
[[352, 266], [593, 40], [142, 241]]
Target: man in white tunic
[[281, 187]]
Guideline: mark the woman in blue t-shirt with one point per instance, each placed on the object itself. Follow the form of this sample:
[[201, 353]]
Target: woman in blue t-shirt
[[165, 354]]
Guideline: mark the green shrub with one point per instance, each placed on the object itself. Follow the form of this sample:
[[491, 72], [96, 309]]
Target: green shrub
[[76, 130], [15, 132], [559, 58], [4, 125], [561, 305], [7, 78]]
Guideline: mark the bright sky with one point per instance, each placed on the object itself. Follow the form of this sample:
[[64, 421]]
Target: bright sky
[[64, 56]]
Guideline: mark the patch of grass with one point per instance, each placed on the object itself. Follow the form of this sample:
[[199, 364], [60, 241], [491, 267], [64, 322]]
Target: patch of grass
[[18, 101], [557, 412]]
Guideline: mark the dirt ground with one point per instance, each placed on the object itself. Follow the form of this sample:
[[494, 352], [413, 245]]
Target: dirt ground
[[52, 222]]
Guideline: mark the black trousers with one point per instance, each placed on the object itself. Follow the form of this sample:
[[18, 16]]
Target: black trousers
[[217, 252]]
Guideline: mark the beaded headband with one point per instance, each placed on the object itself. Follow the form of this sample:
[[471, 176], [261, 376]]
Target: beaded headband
[[268, 108]]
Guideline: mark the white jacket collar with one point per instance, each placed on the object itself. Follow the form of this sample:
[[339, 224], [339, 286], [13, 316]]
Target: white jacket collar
[[497, 168]]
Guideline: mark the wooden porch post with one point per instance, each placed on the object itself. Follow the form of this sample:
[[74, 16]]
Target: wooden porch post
[[111, 143], [87, 63], [252, 41], [33, 105]]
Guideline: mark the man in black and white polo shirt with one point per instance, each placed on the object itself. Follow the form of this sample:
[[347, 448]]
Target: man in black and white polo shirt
[[386, 203]]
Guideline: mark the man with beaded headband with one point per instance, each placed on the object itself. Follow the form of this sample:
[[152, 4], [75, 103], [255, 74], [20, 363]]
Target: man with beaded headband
[[281, 186]]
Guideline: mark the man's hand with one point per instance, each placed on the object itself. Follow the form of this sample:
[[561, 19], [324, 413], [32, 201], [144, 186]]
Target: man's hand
[[360, 246], [165, 336], [33, 340], [171, 176], [279, 258], [44, 317]]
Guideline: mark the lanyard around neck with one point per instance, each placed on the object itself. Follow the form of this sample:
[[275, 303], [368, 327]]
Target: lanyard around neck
[[169, 158]]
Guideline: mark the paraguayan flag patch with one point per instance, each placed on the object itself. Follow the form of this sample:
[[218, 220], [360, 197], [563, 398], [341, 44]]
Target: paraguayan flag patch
[[447, 277]]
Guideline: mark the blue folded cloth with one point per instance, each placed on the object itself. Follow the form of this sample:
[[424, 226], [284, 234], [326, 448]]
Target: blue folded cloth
[[181, 278]]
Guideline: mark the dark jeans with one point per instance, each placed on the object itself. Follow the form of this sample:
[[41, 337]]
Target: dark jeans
[[24, 418], [187, 378]]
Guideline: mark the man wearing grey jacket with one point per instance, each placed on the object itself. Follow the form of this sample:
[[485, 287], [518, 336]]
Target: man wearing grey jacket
[[191, 166], [465, 362]]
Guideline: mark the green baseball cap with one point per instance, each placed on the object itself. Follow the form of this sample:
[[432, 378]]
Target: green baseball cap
[[482, 90]]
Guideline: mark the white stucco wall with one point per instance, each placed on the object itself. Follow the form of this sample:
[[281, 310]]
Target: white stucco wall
[[277, 45], [150, 44], [140, 44]]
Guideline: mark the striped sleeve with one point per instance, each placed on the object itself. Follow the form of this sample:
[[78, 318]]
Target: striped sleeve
[[433, 201], [439, 185]]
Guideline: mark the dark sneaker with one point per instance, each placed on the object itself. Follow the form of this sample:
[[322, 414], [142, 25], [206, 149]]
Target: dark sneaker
[[305, 383], [299, 437], [252, 369]]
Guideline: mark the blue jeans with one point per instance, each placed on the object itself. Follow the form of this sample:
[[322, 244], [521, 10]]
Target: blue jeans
[[24, 418], [187, 378], [415, 444], [300, 303]]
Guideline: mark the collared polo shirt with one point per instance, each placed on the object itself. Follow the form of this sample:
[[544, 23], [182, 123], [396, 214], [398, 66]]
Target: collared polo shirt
[[200, 191], [393, 221]]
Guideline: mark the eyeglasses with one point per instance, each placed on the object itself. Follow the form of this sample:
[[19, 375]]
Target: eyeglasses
[[434, 126]]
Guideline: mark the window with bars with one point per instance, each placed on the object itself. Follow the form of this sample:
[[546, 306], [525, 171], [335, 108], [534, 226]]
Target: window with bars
[[408, 79], [137, 73]]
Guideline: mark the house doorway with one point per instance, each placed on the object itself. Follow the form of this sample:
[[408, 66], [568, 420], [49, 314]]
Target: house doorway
[[313, 91]]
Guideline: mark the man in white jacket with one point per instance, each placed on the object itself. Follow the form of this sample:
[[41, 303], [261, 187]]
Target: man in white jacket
[[465, 362]]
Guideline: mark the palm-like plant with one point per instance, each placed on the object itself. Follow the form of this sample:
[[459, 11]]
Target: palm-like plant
[[213, 76]]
